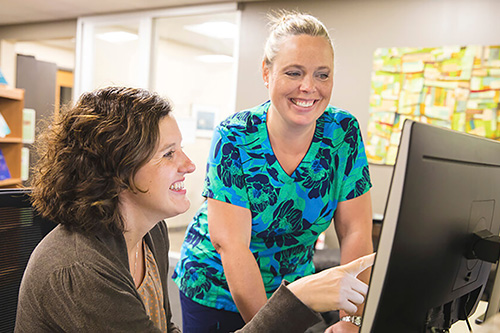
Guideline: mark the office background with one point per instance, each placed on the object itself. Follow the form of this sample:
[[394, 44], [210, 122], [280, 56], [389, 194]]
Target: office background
[[358, 27]]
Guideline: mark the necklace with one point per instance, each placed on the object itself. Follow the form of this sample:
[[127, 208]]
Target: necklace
[[136, 257]]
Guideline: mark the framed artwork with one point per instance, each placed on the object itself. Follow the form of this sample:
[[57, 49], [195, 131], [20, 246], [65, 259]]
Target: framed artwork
[[206, 118], [456, 87]]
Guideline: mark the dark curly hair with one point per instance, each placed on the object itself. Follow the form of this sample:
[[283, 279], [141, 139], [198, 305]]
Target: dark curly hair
[[91, 153]]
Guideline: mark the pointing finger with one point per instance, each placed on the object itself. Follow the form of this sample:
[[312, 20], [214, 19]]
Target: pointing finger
[[357, 266]]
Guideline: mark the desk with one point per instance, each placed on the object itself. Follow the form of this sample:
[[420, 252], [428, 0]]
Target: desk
[[461, 326]]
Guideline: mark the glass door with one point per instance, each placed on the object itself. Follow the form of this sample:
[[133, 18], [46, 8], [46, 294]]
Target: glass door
[[185, 54]]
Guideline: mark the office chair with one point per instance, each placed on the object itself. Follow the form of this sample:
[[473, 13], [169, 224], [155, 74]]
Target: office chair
[[21, 229]]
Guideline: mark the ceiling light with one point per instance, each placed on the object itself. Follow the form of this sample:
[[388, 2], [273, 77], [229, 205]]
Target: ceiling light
[[214, 29], [117, 36], [215, 58]]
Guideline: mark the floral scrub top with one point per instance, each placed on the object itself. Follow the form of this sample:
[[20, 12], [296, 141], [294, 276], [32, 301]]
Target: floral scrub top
[[288, 212]]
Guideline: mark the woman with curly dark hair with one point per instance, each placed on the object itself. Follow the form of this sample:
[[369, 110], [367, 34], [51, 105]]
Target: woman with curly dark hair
[[110, 168]]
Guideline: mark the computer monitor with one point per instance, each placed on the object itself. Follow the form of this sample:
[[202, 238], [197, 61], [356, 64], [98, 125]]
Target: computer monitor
[[21, 229], [445, 187]]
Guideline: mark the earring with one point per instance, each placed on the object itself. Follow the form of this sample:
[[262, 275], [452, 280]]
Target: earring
[[266, 84]]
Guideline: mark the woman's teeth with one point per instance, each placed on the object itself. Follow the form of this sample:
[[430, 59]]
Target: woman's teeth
[[304, 104], [177, 186]]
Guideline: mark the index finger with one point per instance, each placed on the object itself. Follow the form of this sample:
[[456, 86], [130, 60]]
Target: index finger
[[357, 266]]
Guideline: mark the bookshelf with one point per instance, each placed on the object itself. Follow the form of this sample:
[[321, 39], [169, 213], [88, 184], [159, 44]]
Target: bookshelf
[[11, 108]]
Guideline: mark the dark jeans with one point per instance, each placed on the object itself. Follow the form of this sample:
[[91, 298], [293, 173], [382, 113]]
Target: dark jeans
[[197, 318]]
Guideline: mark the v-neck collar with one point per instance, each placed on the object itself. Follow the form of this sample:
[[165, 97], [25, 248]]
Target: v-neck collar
[[308, 157]]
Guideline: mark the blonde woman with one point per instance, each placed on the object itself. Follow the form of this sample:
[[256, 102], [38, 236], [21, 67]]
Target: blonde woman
[[277, 175]]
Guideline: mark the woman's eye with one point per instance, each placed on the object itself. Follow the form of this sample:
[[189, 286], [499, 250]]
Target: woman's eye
[[293, 74], [323, 76], [169, 154]]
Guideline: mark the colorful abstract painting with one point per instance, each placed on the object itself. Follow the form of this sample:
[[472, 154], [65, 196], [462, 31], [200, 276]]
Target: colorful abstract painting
[[457, 87]]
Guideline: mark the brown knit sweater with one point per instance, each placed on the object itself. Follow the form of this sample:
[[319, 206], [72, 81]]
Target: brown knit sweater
[[77, 283]]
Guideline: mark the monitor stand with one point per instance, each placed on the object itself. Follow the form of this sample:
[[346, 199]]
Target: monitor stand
[[494, 301]]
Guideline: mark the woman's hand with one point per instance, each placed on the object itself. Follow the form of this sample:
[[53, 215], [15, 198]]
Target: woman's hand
[[336, 288]]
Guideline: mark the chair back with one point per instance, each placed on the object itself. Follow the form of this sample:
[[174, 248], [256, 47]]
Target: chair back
[[21, 229]]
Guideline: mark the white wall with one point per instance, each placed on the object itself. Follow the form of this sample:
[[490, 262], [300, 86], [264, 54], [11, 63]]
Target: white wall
[[358, 28], [63, 58], [8, 61], [25, 34], [115, 64], [189, 82]]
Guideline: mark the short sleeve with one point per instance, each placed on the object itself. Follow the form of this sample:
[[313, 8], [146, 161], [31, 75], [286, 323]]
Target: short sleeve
[[225, 179], [356, 178]]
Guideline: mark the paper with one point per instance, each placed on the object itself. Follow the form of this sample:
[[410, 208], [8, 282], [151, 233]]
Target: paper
[[25, 163], [29, 117]]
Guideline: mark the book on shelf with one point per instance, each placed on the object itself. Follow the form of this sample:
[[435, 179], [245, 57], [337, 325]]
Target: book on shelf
[[25, 163], [2, 78], [4, 127], [29, 118], [4, 169]]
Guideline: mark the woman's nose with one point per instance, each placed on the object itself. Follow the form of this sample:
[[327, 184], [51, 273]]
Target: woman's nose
[[187, 165], [307, 84]]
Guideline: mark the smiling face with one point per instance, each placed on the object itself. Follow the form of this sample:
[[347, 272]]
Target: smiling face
[[162, 178], [300, 80]]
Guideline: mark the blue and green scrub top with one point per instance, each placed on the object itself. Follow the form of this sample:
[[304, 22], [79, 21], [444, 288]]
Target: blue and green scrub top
[[288, 211]]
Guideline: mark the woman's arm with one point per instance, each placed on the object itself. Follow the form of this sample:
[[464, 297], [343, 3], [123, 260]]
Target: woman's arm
[[353, 223], [336, 288], [230, 229], [294, 308]]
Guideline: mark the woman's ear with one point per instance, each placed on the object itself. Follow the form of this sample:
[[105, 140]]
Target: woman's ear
[[265, 73]]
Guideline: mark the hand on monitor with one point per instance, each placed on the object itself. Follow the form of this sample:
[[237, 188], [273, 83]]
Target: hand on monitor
[[335, 288]]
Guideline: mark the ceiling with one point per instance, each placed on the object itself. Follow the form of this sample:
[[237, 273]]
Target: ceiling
[[31, 11], [14, 12]]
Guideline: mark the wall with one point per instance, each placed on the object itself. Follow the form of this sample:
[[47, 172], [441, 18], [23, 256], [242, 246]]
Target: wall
[[183, 79], [358, 28], [115, 63], [8, 61], [183, 84], [64, 58], [10, 35], [35, 31]]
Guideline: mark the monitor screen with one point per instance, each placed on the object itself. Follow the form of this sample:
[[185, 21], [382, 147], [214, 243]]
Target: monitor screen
[[445, 187], [21, 229]]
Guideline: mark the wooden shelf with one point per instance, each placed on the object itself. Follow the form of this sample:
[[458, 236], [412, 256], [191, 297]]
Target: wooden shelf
[[11, 93], [11, 108], [11, 140], [11, 182]]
